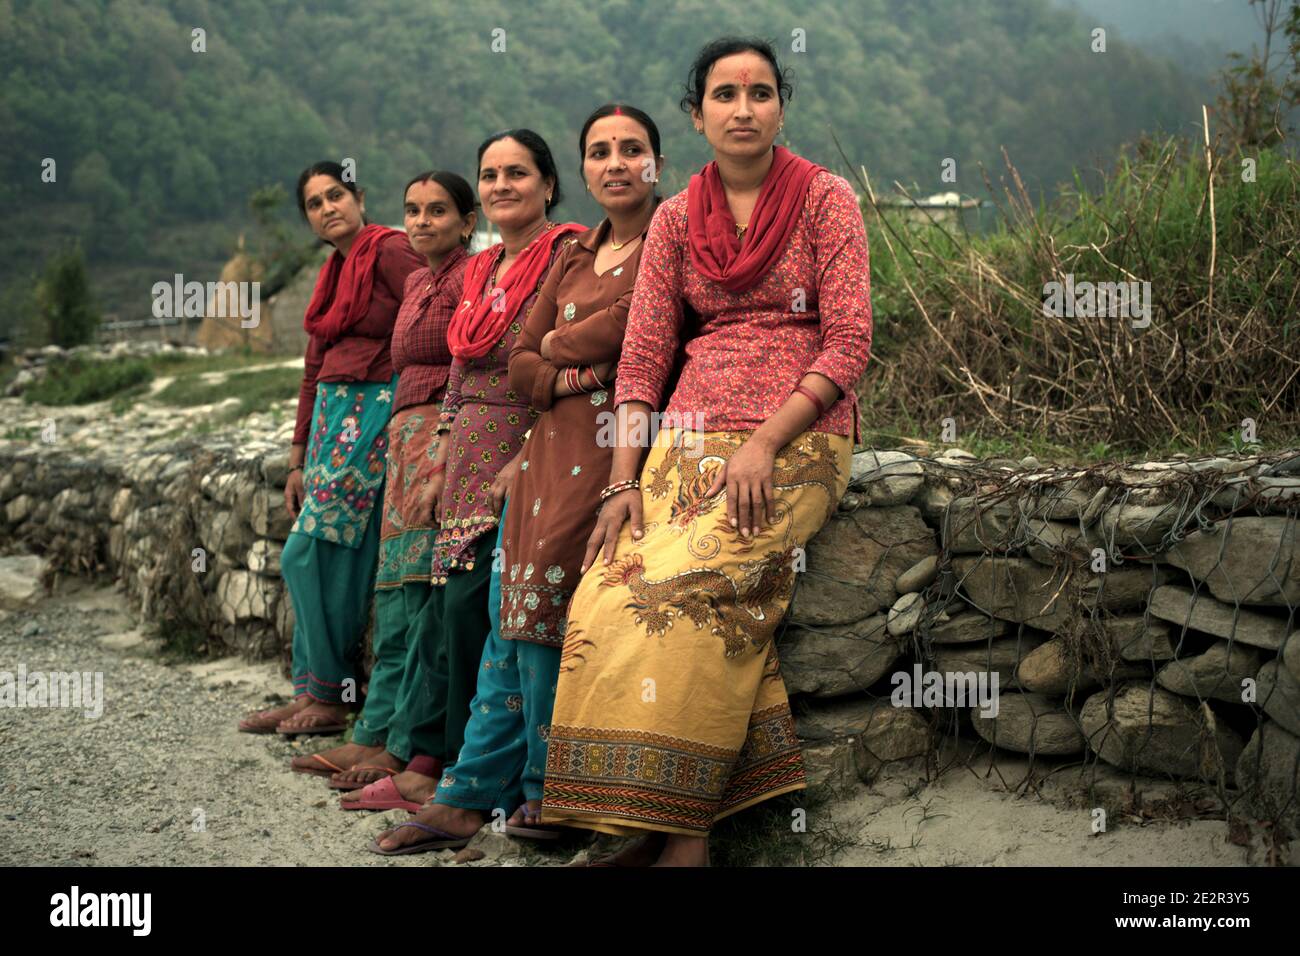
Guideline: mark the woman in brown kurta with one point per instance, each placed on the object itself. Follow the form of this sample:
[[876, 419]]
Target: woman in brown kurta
[[563, 363]]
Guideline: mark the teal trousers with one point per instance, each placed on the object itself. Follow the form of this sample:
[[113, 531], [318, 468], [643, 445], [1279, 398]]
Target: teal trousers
[[503, 760]]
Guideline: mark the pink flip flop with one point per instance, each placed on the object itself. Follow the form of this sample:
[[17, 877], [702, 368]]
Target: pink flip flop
[[381, 795]]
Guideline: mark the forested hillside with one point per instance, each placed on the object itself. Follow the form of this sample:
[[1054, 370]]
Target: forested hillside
[[158, 146]]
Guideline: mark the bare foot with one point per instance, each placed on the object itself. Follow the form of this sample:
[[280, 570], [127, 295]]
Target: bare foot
[[684, 851], [345, 756], [315, 714], [268, 720], [517, 818], [642, 852], [415, 787], [362, 770], [454, 820]]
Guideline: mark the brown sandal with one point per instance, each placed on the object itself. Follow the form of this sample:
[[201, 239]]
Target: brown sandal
[[320, 725], [261, 722]]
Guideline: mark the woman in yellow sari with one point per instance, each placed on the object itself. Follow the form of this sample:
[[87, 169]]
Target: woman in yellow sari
[[670, 709]]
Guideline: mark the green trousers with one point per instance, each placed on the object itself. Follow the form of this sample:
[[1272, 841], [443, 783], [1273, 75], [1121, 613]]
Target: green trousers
[[399, 711], [330, 586], [450, 639]]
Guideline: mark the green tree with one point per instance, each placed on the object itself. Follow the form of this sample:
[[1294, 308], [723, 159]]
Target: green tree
[[63, 300]]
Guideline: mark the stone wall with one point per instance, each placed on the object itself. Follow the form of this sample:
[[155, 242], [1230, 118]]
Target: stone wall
[[1142, 616]]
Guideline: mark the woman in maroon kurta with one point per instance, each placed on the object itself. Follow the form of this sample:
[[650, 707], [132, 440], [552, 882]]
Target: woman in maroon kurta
[[337, 460]]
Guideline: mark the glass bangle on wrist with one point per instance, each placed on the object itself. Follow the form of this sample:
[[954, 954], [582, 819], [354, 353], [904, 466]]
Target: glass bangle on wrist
[[618, 487], [813, 397]]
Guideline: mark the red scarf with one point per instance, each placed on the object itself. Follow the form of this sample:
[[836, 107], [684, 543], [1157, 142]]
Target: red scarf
[[715, 247], [342, 294], [477, 326]]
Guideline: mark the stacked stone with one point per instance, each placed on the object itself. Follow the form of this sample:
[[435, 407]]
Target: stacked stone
[[1142, 615], [192, 529]]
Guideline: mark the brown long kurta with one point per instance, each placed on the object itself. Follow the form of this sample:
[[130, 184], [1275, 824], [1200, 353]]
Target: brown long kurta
[[556, 495]]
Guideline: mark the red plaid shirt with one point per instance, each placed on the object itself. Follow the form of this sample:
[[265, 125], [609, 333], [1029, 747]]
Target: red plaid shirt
[[420, 353]]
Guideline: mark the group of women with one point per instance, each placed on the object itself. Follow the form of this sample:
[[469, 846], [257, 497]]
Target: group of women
[[574, 609]]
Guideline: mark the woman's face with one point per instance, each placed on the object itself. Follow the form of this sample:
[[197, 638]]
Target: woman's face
[[618, 164], [740, 111], [510, 186], [433, 223], [333, 213]]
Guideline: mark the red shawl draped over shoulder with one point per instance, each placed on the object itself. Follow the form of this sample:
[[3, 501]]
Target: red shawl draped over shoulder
[[342, 294], [715, 248], [481, 318]]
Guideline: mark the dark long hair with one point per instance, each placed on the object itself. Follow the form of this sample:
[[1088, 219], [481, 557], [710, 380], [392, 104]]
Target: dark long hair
[[460, 191], [541, 154], [715, 50]]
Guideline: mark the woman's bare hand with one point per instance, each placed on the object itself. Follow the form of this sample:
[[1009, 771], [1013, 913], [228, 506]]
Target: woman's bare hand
[[503, 483], [747, 477], [294, 493], [616, 512], [428, 500]]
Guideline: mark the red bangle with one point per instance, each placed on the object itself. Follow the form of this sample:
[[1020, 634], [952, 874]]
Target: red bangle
[[812, 396]]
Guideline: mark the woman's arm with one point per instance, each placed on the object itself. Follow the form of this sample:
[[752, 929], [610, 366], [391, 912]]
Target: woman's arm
[[631, 442], [843, 287], [654, 319], [312, 361], [597, 338], [530, 374], [395, 262], [451, 399], [844, 309]]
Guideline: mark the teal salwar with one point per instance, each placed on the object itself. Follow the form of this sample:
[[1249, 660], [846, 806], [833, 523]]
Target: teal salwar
[[397, 706], [329, 561], [503, 759], [331, 609]]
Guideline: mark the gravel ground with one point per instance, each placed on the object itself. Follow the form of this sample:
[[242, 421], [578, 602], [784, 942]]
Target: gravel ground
[[162, 778]]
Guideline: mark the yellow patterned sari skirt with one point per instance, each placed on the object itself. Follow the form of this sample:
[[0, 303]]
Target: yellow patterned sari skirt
[[670, 711]]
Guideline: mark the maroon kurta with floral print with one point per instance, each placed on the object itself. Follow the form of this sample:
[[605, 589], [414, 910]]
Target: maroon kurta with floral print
[[488, 421]]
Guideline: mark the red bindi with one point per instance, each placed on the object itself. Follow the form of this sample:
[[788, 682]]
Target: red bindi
[[618, 111], [744, 77]]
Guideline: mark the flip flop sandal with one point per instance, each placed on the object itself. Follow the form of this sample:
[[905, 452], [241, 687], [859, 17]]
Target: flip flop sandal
[[357, 785], [326, 768], [312, 729], [260, 723], [381, 795], [530, 832], [444, 841]]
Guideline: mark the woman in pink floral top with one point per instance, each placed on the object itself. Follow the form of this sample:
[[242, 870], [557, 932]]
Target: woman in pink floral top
[[670, 710]]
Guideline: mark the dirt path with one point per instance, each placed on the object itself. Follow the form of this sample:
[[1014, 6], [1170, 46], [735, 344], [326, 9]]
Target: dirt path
[[163, 778]]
